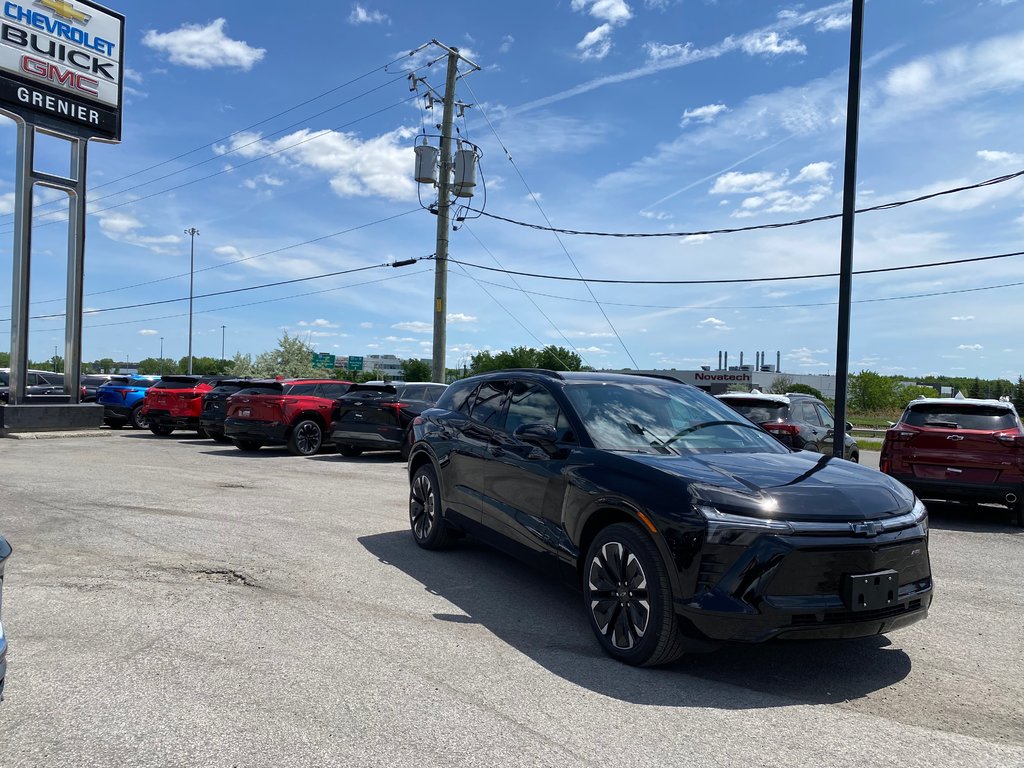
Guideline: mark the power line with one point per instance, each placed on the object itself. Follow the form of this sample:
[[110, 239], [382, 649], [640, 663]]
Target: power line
[[540, 208], [908, 296], [733, 280], [535, 304], [226, 292], [753, 227], [242, 306], [213, 143], [232, 169], [238, 261]]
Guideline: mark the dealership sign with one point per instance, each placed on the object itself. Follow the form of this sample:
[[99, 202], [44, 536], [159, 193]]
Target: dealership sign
[[62, 66]]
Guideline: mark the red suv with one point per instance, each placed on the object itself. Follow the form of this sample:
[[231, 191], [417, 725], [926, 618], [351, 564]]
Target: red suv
[[295, 413], [959, 450], [176, 402]]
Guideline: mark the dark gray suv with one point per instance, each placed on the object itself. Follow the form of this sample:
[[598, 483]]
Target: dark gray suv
[[798, 420]]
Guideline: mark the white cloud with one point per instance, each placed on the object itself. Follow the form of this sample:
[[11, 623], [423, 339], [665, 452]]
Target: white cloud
[[1001, 158], [962, 317], [596, 44], [366, 325], [714, 322], [593, 350], [770, 44], [815, 172], [124, 228], [193, 45], [735, 182], [318, 323], [416, 326], [971, 347], [264, 179], [506, 44], [360, 15], [148, 332], [696, 239], [459, 317], [833, 22], [611, 11], [703, 114], [358, 168]]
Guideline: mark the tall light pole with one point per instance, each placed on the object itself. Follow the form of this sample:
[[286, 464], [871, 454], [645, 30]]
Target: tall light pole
[[222, 341], [161, 355], [192, 232]]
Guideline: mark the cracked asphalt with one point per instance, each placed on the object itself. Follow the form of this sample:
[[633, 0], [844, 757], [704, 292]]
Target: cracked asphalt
[[174, 602]]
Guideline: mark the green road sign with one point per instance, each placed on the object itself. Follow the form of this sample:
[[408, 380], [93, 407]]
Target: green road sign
[[323, 360], [355, 363]]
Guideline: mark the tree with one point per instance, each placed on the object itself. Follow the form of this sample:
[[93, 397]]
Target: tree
[[806, 389], [105, 365], [415, 370], [558, 359], [5, 359], [870, 391], [292, 358], [1018, 395], [975, 388], [240, 365], [781, 385]]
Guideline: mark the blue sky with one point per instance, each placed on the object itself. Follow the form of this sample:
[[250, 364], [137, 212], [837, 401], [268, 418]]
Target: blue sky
[[634, 116]]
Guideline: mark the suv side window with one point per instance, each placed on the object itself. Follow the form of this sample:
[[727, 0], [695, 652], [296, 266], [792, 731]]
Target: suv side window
[[826, 417], [457, 397], [302, 389], [412, 393], [532, 404], [489, 404], [332, 391], [808, 414]]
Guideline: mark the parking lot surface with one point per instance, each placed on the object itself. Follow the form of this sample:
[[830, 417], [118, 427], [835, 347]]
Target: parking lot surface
[[174, 602]]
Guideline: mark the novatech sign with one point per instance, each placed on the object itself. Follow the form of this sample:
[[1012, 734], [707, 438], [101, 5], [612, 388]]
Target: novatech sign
[[721, 376], [62, 65]]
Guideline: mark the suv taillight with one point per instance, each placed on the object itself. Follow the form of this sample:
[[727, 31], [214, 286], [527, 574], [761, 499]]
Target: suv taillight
[[901, 433], [777, 428], [1012, 438], [123, 393], [396, 406]]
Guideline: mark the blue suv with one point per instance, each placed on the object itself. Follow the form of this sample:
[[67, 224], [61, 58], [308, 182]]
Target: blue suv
[[122, 397]]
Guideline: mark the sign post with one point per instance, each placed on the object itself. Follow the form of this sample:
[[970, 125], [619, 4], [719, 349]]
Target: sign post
[[61, 72]]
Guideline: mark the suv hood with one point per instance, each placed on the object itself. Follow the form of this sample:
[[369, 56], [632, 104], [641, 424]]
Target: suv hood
[[800, 486]]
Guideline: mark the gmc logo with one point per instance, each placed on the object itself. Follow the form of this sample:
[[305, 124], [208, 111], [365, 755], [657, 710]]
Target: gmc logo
[[65, 77]]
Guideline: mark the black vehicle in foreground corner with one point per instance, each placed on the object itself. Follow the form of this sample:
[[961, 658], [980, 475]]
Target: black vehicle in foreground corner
[[378, 417], [5, 552], [683, 524]]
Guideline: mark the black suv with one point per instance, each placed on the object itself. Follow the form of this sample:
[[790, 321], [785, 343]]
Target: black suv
[[37, 383], [798, 420], [683, 523], [378, 417]]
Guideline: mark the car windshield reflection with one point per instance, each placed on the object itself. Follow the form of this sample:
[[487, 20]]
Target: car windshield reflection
[[663, 418]]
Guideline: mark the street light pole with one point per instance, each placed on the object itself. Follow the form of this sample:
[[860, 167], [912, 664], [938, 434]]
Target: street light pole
[[222, 341], [192, 232], [161, 355]]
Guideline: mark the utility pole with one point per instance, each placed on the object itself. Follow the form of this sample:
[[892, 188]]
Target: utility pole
[[222, 341], [192, 232], [443, 205], [161, 355], [846, 246]]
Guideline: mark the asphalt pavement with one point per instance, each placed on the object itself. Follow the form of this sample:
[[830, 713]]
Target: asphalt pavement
[[174, 602]]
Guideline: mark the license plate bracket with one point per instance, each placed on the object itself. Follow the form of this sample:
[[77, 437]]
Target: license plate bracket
[[871, 591]]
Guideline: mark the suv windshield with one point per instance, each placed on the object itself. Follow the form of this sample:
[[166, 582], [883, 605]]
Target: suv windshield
[[266, 389], [164, 384], [663, 418], [982, 417], [757, 410]]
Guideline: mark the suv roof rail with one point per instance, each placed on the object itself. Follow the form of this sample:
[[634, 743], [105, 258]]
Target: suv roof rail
[[545, 371]]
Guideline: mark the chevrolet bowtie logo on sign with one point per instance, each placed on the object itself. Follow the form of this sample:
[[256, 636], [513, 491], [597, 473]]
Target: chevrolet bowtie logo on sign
[[64, 10]]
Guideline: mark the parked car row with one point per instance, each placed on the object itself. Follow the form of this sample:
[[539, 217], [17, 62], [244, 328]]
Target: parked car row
[[685, 520]]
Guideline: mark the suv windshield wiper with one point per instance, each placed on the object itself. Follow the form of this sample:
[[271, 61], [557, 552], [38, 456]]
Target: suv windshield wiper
[[659, 442]]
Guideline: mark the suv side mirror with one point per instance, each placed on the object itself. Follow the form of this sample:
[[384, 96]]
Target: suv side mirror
[[543, 436], [849, 426]]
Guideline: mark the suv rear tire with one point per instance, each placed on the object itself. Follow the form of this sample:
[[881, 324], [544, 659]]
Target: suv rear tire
[[306, 439], [137, 420], [426, 518], [628, 598]]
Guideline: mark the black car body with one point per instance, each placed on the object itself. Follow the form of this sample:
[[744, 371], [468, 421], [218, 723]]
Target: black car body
[[5, 552], [215, 405], [683, 524], [91, 383], [797, 420], [39, 383], [378, 417]]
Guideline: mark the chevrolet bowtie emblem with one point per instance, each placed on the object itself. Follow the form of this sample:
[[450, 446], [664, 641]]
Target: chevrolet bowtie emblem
[[64, 10]]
